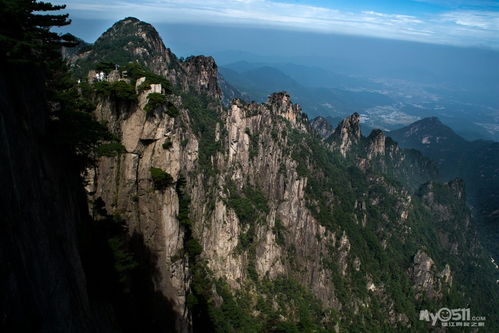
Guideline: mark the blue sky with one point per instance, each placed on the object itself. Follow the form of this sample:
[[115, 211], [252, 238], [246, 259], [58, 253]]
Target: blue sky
[[453, 22]]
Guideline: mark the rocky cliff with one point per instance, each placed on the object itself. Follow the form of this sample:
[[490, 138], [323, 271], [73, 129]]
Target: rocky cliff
[[258, 224]]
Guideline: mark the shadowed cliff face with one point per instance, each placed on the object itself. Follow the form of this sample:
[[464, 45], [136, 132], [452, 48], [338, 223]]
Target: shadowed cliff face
[[57, 270], [42, 202]]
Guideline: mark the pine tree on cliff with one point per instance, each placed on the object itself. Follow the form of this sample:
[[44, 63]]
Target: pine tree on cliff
[[26, 36], [28, 46]]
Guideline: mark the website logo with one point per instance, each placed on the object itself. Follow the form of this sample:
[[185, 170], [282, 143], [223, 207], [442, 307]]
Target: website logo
[[452, 318]]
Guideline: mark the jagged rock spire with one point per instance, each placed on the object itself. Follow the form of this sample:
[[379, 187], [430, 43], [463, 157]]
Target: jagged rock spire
[[202, 75], [280, 99], [349, 126], [347, 133], [280, 103], [376, 143]]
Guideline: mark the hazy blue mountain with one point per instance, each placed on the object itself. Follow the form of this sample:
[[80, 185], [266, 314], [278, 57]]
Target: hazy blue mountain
[[384, 103], [260, 81], [310, 76], [435, 140]]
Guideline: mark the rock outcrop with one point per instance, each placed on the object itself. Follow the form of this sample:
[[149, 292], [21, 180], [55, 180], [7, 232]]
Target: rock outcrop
[[322, 126], [201, 76], [346, 134], [376, 144], [476, 162], [131, 40], [428, 283]]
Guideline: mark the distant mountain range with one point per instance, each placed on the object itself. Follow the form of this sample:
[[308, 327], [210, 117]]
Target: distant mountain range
[[383, 103], [257, 81], [310, 76]]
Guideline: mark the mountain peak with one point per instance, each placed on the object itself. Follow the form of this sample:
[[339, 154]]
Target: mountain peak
[[279, 98], [128, 40], [129, 26], [376, 143], [129, 18], [429, 125], [202, 75], [351, 125], [426, 132], [436, 141], [280, 103], [428, 121], [131, 40]]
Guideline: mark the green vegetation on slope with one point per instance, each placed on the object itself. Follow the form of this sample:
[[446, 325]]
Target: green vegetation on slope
[[204, 113], [160, 178]]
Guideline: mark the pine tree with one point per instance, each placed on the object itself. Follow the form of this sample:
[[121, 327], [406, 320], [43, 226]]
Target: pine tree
[[25, 34]]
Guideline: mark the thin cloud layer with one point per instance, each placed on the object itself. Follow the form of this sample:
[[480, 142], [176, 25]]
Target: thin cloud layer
[[456, 27]]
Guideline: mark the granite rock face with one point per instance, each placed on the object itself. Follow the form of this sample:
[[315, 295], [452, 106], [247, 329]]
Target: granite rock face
[[377, 144], [201, 76], [347, 133]]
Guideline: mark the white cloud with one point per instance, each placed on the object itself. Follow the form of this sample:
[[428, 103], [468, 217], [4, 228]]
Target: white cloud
[[463, 3], [454, 27], [486, 20]]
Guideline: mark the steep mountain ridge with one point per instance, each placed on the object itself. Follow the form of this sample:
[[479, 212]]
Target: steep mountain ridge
[[258, 224], [378, 153], [131, 40], [477, 162]]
